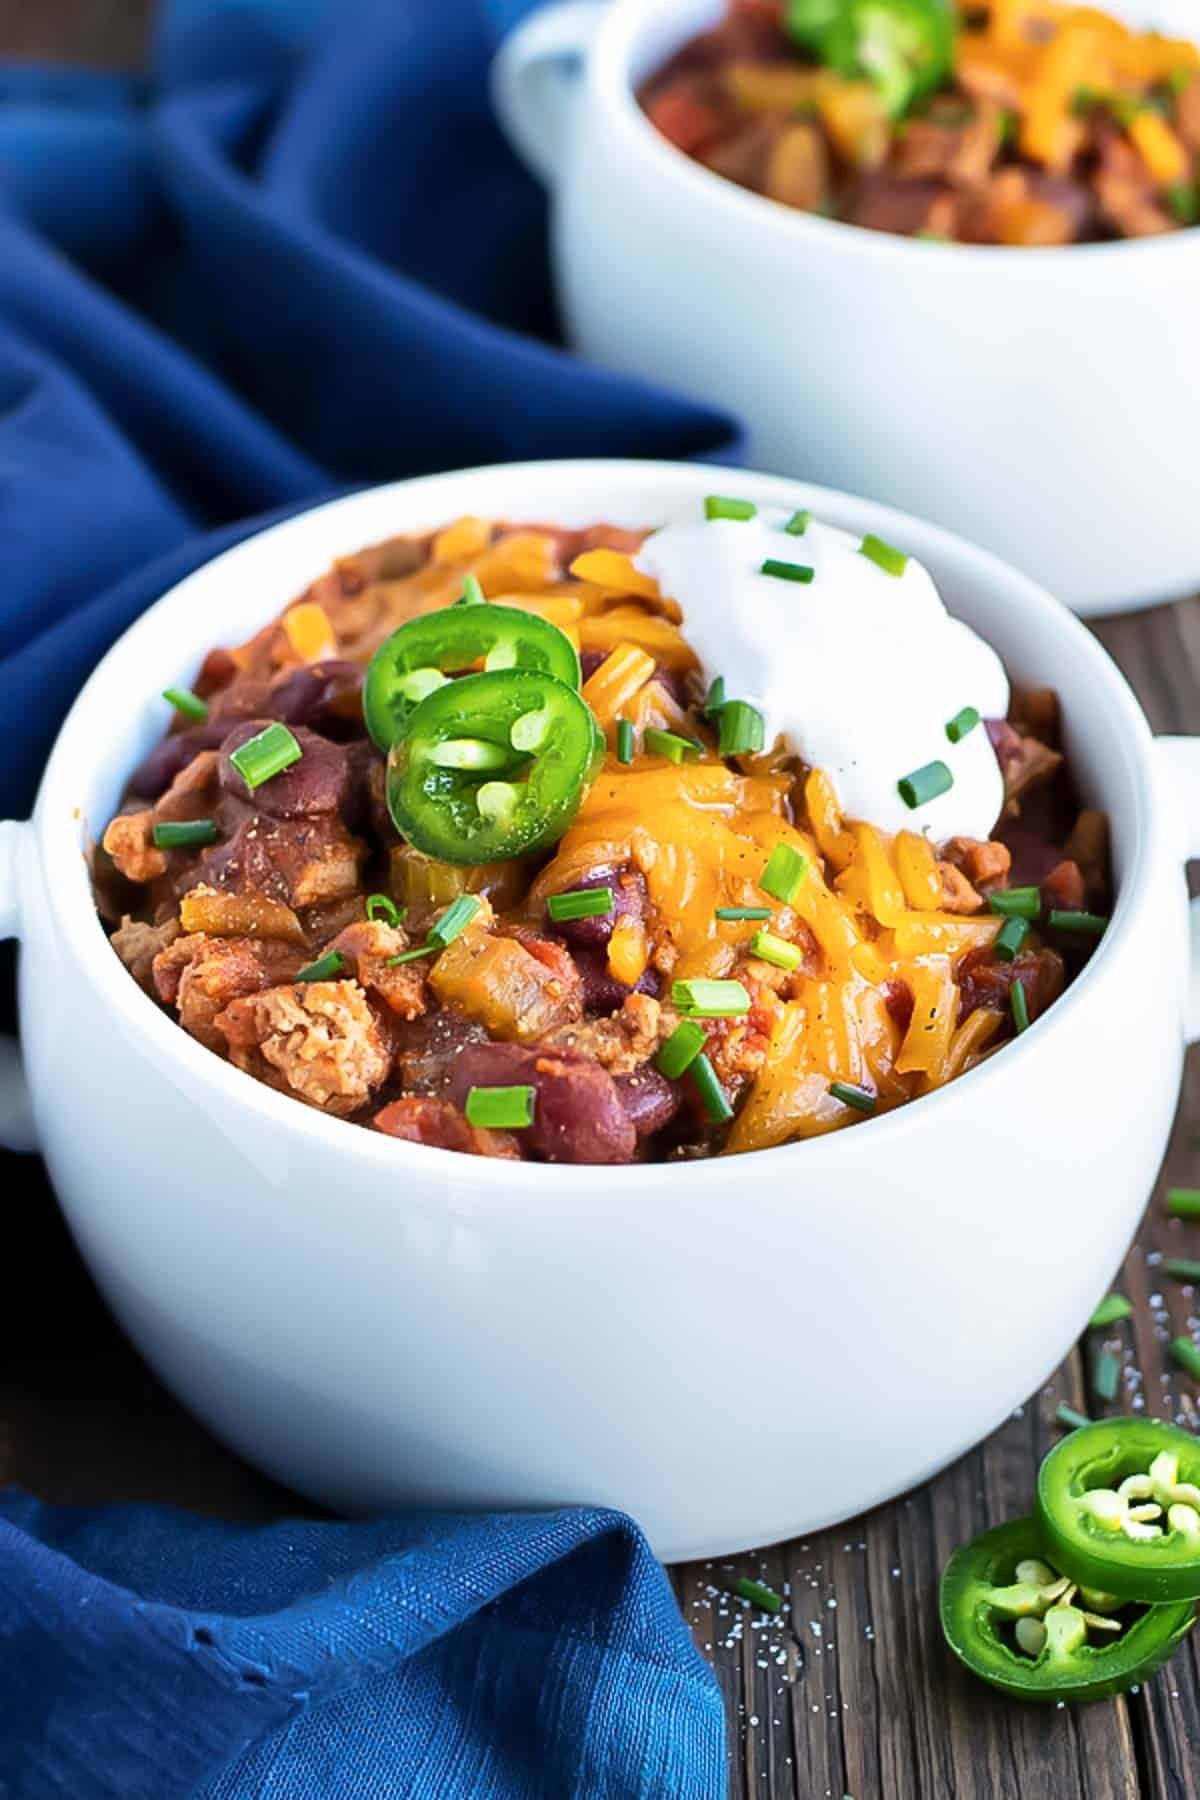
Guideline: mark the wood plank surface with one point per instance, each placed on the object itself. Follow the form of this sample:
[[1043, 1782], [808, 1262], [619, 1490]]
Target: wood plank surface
[[850, 1691]]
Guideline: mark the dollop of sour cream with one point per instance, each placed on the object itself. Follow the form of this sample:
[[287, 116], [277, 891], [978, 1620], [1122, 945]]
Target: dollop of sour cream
[[860, 670]]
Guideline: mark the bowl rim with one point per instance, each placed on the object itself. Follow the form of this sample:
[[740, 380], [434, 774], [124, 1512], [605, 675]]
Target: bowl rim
[[609, 62], [67, 887]]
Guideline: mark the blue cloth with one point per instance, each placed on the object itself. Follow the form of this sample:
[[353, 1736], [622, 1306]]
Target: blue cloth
[[295, 257]]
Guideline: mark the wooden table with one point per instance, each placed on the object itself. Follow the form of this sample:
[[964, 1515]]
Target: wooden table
[[850, 1692]]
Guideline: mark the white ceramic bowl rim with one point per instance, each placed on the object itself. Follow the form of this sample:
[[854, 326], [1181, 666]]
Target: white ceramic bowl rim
[[610, 56], [69, 889]]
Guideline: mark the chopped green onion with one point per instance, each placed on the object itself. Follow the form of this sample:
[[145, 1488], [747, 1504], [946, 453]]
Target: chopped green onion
[[669, 744], [496, 801], [407, 956], [1106, 1375], [382, 906], [500, 1108], [1086, 923], [757, 1594], [741, 729], [324, 969], [1110, 1311], [714, 700], [1182, 1268], [454, 920], [925, 784], [710, 999], [1186, 1355], [1020, 1006], [184, 835], [743, 912], [268, 754], [1067, 1415], [1183, 1203], [1010, 937], [581, 903], [775, 950], [712, 1094], [784, 872], [681, 1049], [787, 571], [799, 523], [962, 723], [472, 594], [624, 741], [1018, 902], [859, 1098], [187, 703], [1183, 202], [717, 506], [892, 562]]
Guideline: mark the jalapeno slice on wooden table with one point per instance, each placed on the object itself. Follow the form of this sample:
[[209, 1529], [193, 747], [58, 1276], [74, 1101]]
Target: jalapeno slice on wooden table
[[420, 657], [1119, 1508], [492, 766], [1019, 1623]]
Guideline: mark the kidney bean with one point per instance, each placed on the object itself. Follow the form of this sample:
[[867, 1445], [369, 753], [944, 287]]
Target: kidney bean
[[325, 695], [629, 901], [155, 775], [578, 1115], [318, 783], [649, 1099], [602, 992]]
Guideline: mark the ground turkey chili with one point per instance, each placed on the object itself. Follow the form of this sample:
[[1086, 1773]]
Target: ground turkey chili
[[1019, 122], [550, 893]]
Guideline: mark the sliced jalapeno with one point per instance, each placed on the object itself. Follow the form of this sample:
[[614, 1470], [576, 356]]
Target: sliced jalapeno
[[1016, 1622], [904, 48], [418, 659], [1119, 1507], [492, 766]]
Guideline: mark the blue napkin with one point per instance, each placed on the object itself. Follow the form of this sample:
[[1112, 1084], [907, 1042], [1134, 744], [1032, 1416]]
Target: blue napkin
[[296, 257]]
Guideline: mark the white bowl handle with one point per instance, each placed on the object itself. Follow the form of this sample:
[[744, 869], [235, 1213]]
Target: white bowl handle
[[534, 76], [1180, 762], [16, 1114]]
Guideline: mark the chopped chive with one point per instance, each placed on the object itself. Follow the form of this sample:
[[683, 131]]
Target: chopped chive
[[454, 920], [1106, 1375], [784, 871], [581, 903], [710, 999], [925, 784], [891, 561], [497, 801], [1111, 1309], [1182, 1268], [669, 744], [472, 594], [1067, 1415], [741, 729], [1183, 1203], [268, 754], [962, 723], [382, 906], [187, 703], [1018, 902], [1020, 1007], [757, 1594], [1010, 937], [775, 950], [714, 700], [500, 1108], [713, 1096], [799, 523], [624, 741], [718, 506], [1183, 202], [1186, 1355], [859, 1098], [743, 912], [681, 1049], [787, 571], [1085, 923], [407, 956], [324, 969], [186, 834]]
